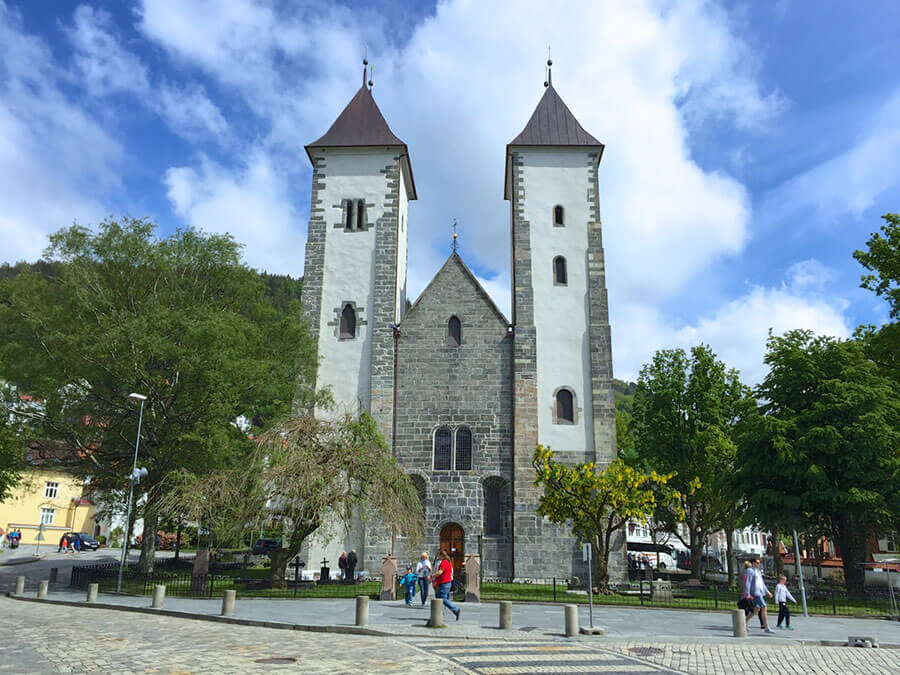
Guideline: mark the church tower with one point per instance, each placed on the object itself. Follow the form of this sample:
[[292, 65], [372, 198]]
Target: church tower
[[354, 284], [562, 379]]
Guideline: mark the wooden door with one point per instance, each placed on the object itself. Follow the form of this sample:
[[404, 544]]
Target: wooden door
[[452, 541]]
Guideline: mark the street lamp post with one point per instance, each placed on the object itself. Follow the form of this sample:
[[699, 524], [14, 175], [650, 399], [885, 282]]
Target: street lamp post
[[133, 478]]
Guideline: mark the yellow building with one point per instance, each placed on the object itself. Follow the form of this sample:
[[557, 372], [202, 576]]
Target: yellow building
[[48, 496]]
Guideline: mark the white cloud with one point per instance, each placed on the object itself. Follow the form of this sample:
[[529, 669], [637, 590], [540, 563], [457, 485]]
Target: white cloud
[[102, 64], [252, 205], [190, 113], [808, 275]]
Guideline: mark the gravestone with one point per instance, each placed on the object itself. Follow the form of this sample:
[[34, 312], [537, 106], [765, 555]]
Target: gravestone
[[200, 572], [388, 578], [661, 591], [324, 573], [473, 578]]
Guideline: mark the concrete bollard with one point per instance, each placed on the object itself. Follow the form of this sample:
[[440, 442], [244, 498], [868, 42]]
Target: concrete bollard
[[739, 623], [437, 613], [92, 592], [571, 620], [228, 602], [362, 610], [54, 574], [43, 588], [159, 595], [505, 615], [20, 585]]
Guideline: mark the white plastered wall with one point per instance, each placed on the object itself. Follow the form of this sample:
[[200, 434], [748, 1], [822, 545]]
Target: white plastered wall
[[561, 315], [402, 251], [345, 365]]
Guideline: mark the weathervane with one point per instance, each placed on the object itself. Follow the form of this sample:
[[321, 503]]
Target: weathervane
[[549, 79], [454, 235], [365, 62]]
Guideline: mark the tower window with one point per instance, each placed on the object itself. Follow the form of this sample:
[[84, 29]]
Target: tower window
[[560, 277], [348, 215], [442, 457], [354, 215], [360, 214], [454, 332], [558, 216], [348, 323], [463, 449], [564, 407], [495, 502]]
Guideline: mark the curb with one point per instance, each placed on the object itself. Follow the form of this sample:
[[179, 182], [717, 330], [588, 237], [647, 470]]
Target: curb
[[23, 561]]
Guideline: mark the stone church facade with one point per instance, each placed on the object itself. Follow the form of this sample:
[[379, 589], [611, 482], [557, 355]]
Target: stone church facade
[[462, 393]]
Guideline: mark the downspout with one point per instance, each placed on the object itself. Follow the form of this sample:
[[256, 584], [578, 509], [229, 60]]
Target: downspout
[[512, 389], [396, 330]]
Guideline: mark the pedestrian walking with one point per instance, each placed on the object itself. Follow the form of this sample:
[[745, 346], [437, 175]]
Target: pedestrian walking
[[423, 572], [342, 565], [782, 595], [755, 590], [408, 582], [443, 582], [62, 545], [351, 564]]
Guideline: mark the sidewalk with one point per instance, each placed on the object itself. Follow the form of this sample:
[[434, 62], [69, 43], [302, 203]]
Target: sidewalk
[[530, 621]]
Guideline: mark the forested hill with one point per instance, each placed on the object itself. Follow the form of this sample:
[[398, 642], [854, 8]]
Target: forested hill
[[624, 394]]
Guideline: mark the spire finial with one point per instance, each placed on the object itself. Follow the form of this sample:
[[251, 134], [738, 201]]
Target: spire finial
[[549, 69], [454, 235], [372, 78], [365, 62]]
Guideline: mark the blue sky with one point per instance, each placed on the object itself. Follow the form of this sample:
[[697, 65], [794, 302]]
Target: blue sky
[[751, 147]]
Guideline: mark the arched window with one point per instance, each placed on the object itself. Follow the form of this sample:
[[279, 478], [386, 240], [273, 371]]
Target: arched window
[[560, 275], [348, 322], [565, 407], [442, 439], [463, 449], [495, 503], [558, 216], [454, 332]]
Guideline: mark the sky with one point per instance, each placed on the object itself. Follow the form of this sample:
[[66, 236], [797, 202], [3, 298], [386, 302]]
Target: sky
[[750, 147]]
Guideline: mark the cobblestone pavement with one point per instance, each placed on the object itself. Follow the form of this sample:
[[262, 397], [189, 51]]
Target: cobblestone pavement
[[60, 639]]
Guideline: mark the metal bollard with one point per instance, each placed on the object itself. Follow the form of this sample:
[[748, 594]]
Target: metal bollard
[[437, 613], [738, 623], [159, 595], [20, 585], [54, 573], [571, 620], [92, 592], [228, 602], [43, 588], [505, 615], [362, 610]]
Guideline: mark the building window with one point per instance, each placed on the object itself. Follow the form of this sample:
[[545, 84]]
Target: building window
[[889, 543], [442, 449], [463, 449], [558, 216], [565, 407], [51, 490], [354, 215], [454, 332], [560, 276], [360, 214], [47, 516], [348, 323], [348, 215], [494, 502]]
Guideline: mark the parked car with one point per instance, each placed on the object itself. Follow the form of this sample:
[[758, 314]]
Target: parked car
[[87, 541], [263, 546]]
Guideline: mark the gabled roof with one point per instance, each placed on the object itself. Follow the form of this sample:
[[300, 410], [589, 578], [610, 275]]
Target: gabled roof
[[456, 260], [361, 125], [552, 123]]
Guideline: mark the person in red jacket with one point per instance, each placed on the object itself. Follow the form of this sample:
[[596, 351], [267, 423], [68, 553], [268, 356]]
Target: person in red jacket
[[443, 581]]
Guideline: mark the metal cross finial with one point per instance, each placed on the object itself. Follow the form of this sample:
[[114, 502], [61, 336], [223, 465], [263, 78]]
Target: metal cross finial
[[365, 62], [454, 235], [549, 68], [372, 78]]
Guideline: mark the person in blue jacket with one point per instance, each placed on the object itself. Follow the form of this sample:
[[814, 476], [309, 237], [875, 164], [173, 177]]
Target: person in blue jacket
[[409, 582]]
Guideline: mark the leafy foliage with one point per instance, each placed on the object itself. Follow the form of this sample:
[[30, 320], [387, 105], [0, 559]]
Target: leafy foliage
[[597, 503], [883, 259]]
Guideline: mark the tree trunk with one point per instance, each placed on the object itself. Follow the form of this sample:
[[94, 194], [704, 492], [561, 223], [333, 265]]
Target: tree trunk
[[729, 552], [148, 543], [600, 554], [178, 539], [697, 542], [853, 552], [776, 553], [280, 558]]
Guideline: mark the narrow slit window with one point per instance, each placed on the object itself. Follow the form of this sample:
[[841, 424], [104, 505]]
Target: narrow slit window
[[558, 216], [360, 214], [348, 323], [493, 498], [442, 449], [454, 332], [565, 407], [463, 449], [560, 275]]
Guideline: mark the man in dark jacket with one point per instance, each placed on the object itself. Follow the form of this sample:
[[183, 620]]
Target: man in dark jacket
[[351, 564]]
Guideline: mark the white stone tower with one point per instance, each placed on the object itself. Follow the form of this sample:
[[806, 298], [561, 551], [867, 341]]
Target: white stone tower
[[354, 283], [562, 354]]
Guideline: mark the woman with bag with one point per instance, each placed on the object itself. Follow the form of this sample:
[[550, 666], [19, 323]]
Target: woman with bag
[[443, 581]]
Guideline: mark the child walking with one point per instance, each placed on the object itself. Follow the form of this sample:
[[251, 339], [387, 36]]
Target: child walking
[[409, 583], [782, 595]]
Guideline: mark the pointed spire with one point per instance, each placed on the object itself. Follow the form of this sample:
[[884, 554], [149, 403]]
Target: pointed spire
[[552, 123]]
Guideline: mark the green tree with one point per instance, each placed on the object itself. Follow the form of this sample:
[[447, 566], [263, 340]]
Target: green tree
[[12, 454], [179, 319], [685, 414], [825, 453], [597, 503], [305, 474]]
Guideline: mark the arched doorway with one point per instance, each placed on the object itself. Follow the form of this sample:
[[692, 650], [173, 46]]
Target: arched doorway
[[452, 541]]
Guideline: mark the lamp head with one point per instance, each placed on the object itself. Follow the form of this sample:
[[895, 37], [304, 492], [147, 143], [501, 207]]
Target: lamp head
[[137, 397]]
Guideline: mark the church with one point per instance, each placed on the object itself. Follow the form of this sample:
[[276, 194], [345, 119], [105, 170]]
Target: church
[[462, 393]]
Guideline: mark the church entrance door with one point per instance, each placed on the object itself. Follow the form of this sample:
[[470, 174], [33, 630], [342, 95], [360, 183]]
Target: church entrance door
[[452, 541]]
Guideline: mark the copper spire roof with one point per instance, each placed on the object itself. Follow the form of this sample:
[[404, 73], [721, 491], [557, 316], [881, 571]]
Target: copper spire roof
[[552, 123], [361, 124]]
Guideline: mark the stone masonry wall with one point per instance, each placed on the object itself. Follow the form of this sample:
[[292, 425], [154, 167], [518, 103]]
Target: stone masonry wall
[[467, 385]]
